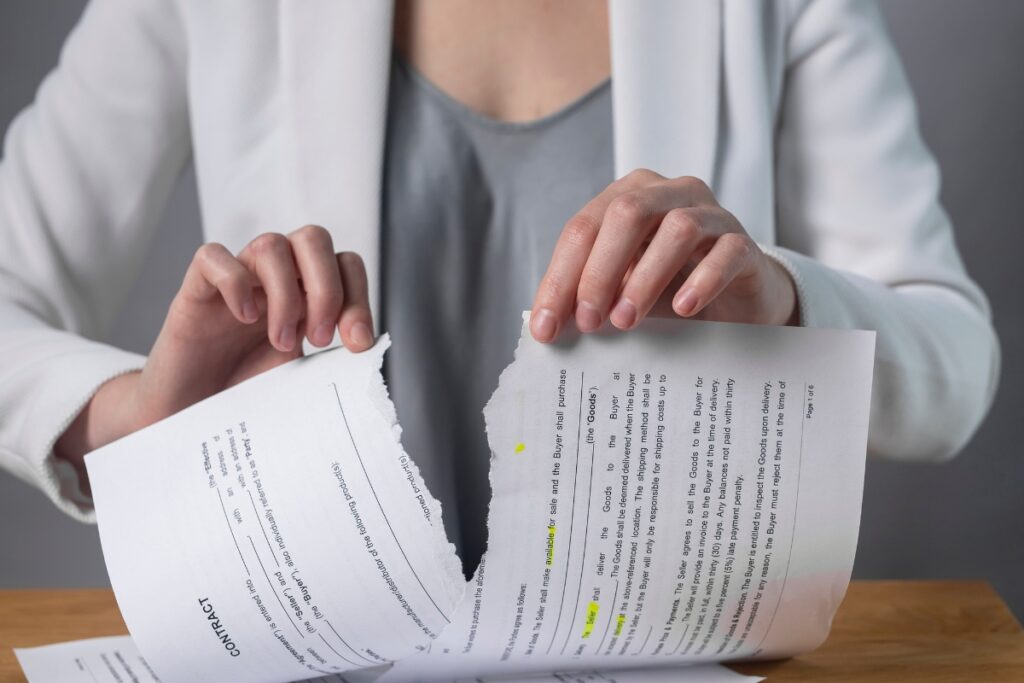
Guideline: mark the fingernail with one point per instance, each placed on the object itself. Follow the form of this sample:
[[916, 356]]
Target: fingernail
[[624, 314], [286, 340], [544, 325], [361, 335], [323, 333], [249, 311], [588, 318], [686, 302]]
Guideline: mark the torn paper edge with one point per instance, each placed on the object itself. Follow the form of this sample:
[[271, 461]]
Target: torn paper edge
[[503, 379], [446, 555]]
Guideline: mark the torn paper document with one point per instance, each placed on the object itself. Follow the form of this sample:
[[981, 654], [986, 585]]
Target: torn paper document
[[276, 531], [681, 494], [688, 492]]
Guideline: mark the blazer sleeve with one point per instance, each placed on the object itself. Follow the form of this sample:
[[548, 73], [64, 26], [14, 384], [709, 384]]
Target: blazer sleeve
[[865, 239], [85, 172]]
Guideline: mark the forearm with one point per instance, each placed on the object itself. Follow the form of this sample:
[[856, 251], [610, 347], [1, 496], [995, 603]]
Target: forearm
[[47, 376], [937, 359]]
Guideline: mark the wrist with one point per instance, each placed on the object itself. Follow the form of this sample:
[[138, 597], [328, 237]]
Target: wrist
[[109, 415], [784, 301]]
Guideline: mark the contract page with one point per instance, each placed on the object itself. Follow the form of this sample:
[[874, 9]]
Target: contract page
[[276, 531], [687, 492], [682, 494]]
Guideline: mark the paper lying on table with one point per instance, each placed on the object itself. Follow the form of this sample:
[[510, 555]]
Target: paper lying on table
[[116, 660], [681, 494], [97, 660]]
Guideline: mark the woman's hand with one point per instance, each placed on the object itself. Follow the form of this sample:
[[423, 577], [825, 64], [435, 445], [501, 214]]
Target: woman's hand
[[650, 245], [234, 317]]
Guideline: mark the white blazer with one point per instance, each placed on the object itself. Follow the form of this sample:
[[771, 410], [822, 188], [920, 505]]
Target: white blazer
[[796, 112]]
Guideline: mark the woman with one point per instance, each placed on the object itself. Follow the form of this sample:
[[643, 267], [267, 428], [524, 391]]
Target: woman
[[763, 165]]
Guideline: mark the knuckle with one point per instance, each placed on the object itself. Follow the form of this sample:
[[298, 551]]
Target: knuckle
[[288, 298], [692, 182], [594, 281], [640, 288], [350, 259], [207, 252], [682, 226], [729, 219], [553, 291], [352, 267], [287, 311], [327, 300], [644, 175], [739, 244], [580, 231], [268, 243], [696, 188], [230, 281], [313, 235], [627, 208]]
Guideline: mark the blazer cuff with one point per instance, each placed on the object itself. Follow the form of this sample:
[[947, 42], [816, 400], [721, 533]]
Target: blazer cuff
[[55, 394], [815, 288]]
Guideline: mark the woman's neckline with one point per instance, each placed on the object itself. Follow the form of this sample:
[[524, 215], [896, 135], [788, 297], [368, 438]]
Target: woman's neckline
[[489, 121]]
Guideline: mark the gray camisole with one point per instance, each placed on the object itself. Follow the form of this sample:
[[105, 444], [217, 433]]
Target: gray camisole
[[471, 211]]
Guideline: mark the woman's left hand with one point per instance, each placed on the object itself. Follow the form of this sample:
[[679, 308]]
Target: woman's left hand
[[650, 245]]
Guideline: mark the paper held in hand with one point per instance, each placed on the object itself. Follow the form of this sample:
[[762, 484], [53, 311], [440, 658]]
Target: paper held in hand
[[686, 493]]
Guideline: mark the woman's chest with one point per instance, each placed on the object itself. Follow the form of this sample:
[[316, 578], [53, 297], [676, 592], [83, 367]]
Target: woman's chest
[[288, 111], [510, 61]]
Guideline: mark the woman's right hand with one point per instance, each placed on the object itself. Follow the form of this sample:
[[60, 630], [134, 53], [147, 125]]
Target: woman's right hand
[[234, 317]]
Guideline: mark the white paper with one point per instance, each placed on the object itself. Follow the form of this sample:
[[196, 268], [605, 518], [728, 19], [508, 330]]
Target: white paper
[[694, 674], [629, 473], [97, 660], [276, 531], [681, 494], [116, 659]]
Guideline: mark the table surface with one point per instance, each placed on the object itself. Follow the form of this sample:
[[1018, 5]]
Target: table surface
[[934, 631]]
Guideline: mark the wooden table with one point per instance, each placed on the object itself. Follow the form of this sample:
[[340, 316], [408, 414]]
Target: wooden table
[[935, 631]]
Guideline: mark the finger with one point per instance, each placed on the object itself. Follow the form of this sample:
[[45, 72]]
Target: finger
[[313, 251], [556, 295], [629, 221], [356, 324], [681, 232], [269, 256], [215, 272], [732, 253]]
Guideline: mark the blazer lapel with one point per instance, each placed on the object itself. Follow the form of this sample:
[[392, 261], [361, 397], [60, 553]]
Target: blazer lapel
[[666, 72], [334, 70]]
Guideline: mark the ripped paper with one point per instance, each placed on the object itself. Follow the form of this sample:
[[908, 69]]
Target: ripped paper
[[683, 494]]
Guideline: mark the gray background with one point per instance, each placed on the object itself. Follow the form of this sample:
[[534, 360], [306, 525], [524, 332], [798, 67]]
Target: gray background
[[963, 519]]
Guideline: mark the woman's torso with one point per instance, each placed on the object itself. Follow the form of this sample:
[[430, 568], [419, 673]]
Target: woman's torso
[[290, 135], [471, 211], [287, 117]]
